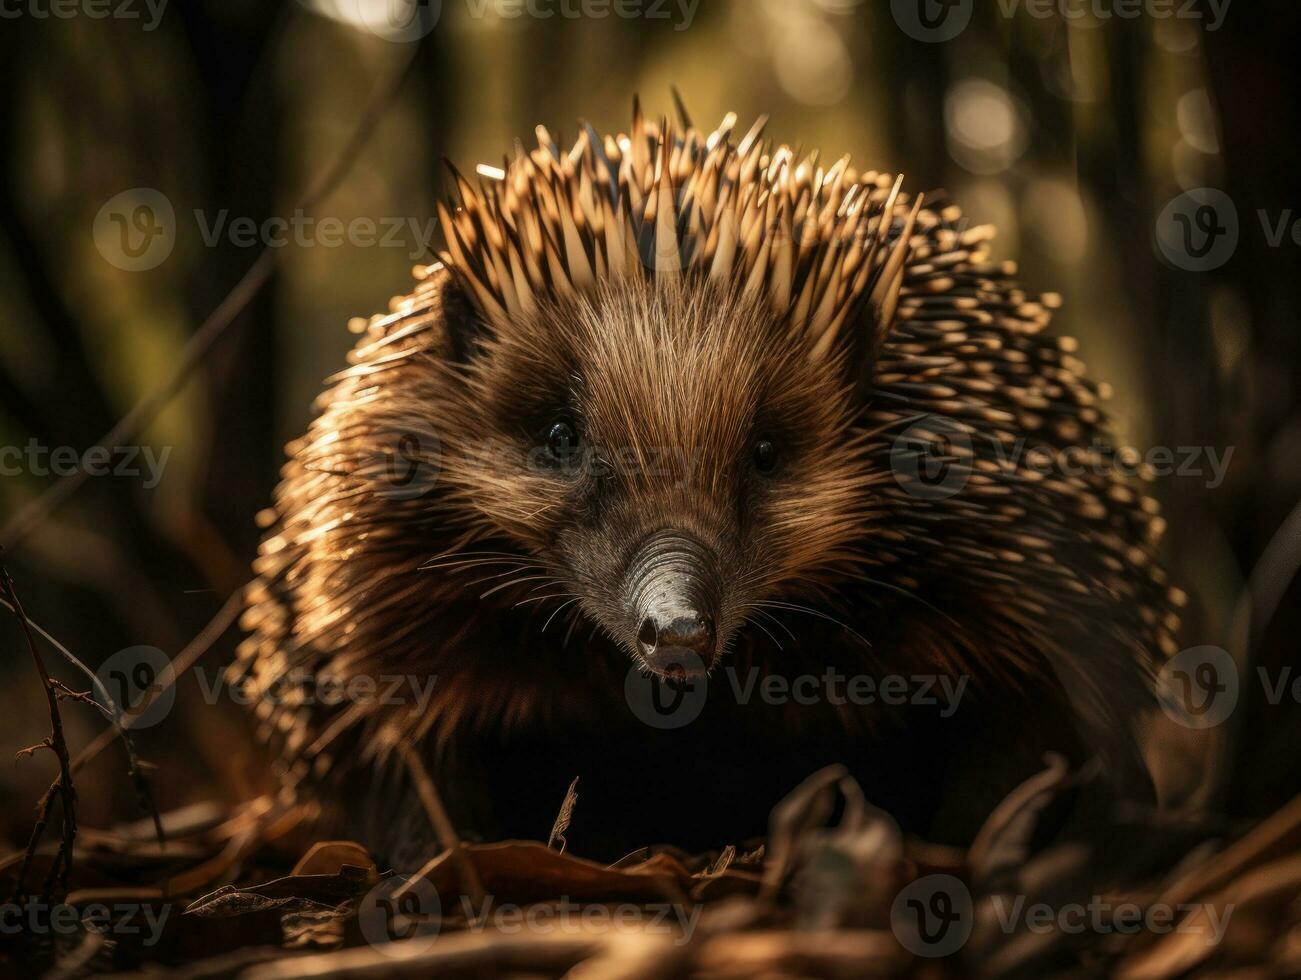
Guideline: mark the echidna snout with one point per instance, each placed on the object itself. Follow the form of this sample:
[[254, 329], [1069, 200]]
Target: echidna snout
[[672, 598]]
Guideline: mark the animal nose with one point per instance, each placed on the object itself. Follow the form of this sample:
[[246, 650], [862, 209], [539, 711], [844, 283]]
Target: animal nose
[[678, 642], [672, 587], [690, 631]]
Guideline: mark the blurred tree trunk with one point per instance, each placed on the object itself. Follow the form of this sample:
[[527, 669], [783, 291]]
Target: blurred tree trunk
[[234, 58], [1255, 73]]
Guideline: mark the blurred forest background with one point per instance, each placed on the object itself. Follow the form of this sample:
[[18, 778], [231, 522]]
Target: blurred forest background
[[1072, 135]]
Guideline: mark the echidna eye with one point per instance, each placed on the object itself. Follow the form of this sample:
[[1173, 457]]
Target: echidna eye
[[765, 456], [561, 440]]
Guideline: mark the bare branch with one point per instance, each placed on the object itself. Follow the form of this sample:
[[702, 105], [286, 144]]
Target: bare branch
[[442, 823], [66, 791]]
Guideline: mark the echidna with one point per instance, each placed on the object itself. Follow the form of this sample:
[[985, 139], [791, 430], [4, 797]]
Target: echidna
[[685, 404]]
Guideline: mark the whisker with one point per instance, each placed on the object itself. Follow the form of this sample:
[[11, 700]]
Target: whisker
[[540, 598], [515, 581], [509, 571], [574, 616], [756, 622], [558, 608], [772, 618], [544, 585], [473, 554], [472, 562], [907, 594], [794, 607]]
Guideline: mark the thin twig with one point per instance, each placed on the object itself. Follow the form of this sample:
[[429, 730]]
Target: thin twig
[[442, 823], [183, 661], [186, 659], [63, 785], [43, 809], [135, 767], [105, 708], [68, 694], [188, 656]]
